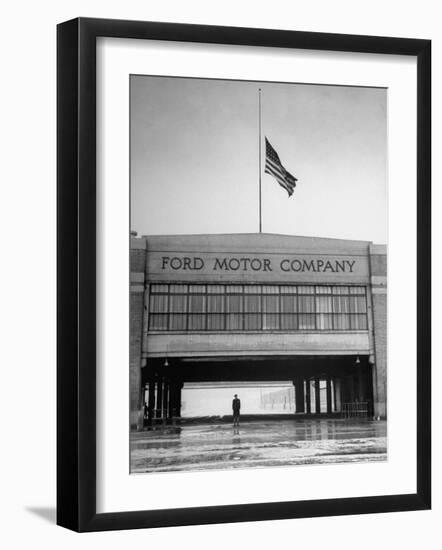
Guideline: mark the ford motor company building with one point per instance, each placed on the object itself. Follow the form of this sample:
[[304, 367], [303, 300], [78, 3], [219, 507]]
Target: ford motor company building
[[258, 307]]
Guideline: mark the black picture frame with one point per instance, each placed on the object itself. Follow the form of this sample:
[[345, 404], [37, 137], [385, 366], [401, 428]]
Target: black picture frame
[[76, 274]]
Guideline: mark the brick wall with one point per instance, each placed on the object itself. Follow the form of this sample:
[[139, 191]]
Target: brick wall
[[378, 268], [137, 267]]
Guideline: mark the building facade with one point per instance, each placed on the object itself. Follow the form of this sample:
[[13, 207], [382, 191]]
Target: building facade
[[258, 307]]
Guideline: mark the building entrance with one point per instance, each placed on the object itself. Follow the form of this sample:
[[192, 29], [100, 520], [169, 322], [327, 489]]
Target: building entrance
[[320, 385]]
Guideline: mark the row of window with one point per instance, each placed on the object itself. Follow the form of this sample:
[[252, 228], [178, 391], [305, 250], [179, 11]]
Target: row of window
[[254, 289], [256, 307]]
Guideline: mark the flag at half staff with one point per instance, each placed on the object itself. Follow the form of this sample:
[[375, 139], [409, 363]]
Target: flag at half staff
[[276, 169]]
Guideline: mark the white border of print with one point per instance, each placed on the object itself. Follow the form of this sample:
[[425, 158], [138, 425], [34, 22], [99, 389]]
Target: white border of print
[[116, 489]]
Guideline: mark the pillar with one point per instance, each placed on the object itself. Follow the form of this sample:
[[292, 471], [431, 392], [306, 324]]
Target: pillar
[[166, 387], [308, 397], [377, 303], [329, 396], [178, 401], [338, 392], [175, 399], [317, 397], [136, 320], [299, 395]]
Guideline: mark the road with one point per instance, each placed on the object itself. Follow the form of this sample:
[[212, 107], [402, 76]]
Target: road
[[257, 444]]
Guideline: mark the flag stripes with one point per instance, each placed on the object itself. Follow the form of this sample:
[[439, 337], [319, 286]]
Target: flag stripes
[[275, 168]]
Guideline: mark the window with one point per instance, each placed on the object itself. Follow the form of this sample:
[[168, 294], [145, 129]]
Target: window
[[285, 308]]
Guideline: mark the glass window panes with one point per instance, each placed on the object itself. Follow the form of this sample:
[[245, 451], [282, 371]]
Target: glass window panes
[[159, 288], [357, 290], [215, 304], [357, 304], [178, 289], [306, 289], [289, 322], [197, 289], [324, 321], [159, 303], [197, 303], [234, 303], [252, 304], [306, 321], [158, 322], [177, 303], [288, 289], [252, 321], [341, 322], [306, 304], [177, 321], [271, 304], [218, 307], [340, 290], [323, 290], [234, 289], [252, 289], [289, 304], [270, 321], [196, 322], [324, 304], [358, 322], [215, 322], [215, 289], [234, 322], [341, 304], [270, 289]]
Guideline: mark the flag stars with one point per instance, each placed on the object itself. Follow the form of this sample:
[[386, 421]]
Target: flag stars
[[275, 168]]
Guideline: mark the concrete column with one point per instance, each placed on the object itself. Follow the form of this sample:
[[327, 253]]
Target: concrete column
[[338, 398], [159, 403], [178, 399], [166, 389], [136, 318], [317, 396], [174, 399], [308, 397], [378, 280], [379, 392], [329, 396], [299, 395]]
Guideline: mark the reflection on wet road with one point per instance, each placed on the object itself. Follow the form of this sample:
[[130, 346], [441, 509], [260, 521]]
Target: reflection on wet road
[[257, 444]]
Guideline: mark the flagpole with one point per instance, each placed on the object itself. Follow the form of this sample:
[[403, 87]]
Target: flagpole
[[260, 163]]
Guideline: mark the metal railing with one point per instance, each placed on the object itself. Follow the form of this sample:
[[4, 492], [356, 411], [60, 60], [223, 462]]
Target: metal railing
[[161, 417], [355, 409]]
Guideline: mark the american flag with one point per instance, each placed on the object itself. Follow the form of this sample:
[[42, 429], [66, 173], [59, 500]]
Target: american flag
[[277, 170]]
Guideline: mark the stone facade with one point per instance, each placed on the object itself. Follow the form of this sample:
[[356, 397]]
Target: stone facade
[[137, 278], [257, 259], [378, 280]]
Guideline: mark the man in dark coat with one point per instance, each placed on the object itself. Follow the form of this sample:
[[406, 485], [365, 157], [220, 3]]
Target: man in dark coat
[[236, 407]]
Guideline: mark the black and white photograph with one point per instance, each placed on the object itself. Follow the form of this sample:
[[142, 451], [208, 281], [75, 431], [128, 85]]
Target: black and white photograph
[[219, 316], [258, 269]]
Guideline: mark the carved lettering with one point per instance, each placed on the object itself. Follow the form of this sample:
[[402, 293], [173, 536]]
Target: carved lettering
[[286, 265]]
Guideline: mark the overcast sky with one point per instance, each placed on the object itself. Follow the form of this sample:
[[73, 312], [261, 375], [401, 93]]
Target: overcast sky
[[195, 158]]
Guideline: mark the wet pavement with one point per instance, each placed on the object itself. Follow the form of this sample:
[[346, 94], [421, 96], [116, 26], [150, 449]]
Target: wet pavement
[[257, 444]]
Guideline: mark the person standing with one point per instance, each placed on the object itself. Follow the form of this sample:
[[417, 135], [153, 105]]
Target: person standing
[[236, 407]]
